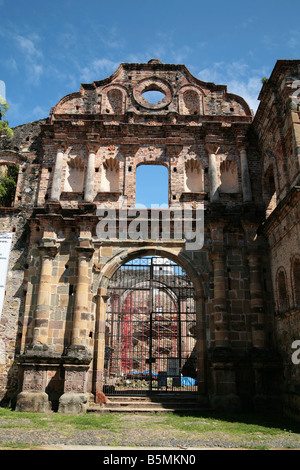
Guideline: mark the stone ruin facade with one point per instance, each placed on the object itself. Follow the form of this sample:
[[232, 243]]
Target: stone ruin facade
[[241, 169]]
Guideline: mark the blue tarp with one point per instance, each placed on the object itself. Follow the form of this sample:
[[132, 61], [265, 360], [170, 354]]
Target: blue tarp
[[143, 372], [188, 381]]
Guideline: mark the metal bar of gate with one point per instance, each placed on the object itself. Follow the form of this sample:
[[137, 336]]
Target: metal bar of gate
[[151, 325], [151, 316]]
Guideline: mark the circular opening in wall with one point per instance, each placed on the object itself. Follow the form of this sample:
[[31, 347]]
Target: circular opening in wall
[[153, 93], [153, 96]]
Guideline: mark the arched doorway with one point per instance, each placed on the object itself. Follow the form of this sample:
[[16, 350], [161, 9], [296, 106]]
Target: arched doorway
[[150, 329]]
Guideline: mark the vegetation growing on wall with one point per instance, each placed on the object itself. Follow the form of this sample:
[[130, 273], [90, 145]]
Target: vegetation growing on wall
[[8, 183], [4, 127]]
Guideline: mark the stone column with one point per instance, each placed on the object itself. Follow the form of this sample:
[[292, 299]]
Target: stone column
[[42, 312], [33, 397], [219, 301], [39, 359], [201, 348], [89, 176], [82, 312], [78, 355], [100, 344], [213, 175], [57, 175], [223, 375], [246, 184], [255, 284], [256, 301], [75, 399]]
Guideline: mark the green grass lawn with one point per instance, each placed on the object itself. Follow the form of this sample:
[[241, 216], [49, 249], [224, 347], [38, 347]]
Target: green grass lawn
[[255, 431]]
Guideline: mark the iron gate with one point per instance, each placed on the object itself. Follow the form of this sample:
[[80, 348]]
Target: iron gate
[[150, 333]]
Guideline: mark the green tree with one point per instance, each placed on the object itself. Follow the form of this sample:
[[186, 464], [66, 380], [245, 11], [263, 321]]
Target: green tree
[[8, 183], [4, 107], [264, 80]]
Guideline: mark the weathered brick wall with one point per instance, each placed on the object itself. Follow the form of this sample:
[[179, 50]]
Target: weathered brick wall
[[277, 126], [112, 118], [24, 150]]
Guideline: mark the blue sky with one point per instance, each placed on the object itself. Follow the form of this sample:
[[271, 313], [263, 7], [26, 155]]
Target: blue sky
[[49, 48]]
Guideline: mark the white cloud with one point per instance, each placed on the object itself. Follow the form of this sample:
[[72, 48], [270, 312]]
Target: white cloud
[[98, 70], [39, 113], [248, 89], [32, 56], [14, 113], [2, 89], [140, 58], [11, 63], [238, 77], [35, 72], [28, 47], [294, 39], [181, 54], [269, 42]]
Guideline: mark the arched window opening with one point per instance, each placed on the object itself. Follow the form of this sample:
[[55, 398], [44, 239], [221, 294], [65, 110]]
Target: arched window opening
[[191, 102], [150, 332], [296, 281], [152, 186], [114, 101], [153, 96], [8, 183], [282, 294]]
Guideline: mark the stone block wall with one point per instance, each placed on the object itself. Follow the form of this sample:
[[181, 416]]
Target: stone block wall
[[23, 150], [277, 126], [87, 153]]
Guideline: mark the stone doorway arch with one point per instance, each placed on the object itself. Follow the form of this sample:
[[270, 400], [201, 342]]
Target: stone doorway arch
[[179, 257]]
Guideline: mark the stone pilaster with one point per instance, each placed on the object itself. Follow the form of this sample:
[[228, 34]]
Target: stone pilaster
[[42, 312], [57, 174], [224, 393], [78, 356], [128, 175], [75, 399], [255, 285], [201, 348], [213, 174], [219, 301], [175, 189], [256, 301], [89, 175], [33, 397], [100, 343], [39, 362], [246, 183], [81, 316]]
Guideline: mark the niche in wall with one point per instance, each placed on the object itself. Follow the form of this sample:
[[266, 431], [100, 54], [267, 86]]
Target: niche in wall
[[193, 177], [110, 180], [74, 179], [229, 182]]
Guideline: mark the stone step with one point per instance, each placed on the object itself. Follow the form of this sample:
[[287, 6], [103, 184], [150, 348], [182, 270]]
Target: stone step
[[107, 409], [150, 405], [131, 404], [133, 399]]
